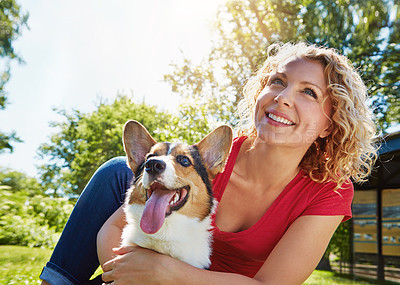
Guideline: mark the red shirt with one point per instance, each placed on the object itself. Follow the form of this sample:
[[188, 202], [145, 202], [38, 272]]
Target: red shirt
[[244, 252]]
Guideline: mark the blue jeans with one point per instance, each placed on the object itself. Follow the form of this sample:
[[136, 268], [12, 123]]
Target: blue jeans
[[74, 259]]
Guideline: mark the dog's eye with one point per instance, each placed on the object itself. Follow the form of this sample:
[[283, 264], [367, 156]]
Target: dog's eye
[[183, 160]]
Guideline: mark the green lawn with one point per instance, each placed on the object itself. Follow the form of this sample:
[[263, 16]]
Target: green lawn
[[331, 278], [22, 265]]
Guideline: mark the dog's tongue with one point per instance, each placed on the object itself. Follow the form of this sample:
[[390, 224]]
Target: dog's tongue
[[154, 210]]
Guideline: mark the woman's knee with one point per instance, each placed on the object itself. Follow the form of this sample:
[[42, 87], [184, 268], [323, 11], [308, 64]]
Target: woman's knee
[[111, 178], [114, 165]]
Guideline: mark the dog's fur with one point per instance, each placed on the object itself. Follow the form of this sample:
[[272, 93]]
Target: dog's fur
[[173, 182]]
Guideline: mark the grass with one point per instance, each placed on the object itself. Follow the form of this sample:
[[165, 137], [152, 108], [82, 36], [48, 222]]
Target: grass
[[22, 265], [331, 278]]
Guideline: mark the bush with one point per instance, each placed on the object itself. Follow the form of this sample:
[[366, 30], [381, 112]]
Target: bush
[[31, 221]]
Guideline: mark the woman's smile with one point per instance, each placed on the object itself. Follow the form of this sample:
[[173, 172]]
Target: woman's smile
[[278, 119]]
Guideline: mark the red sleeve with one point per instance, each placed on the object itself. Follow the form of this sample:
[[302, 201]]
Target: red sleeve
[[330, 202]]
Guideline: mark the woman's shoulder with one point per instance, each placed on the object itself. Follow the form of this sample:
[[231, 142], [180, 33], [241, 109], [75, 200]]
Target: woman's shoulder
[[312, 197], [318, 182], [313, 187]]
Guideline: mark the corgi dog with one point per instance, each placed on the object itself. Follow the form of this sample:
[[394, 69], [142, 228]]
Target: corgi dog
[[169, 207]]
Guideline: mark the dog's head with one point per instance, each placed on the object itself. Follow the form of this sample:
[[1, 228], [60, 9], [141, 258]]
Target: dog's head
[[173, 176]]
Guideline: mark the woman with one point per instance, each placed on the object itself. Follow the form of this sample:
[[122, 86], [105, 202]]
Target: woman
[[305, 130]]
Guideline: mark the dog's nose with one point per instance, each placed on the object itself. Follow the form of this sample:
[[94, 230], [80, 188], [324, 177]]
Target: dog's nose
[[155, 166]]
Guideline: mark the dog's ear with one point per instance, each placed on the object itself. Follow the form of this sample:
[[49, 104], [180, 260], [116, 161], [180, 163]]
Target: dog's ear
[[137, 143], [214, 149]]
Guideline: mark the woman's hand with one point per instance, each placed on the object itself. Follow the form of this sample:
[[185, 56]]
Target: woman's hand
[[136, 265]]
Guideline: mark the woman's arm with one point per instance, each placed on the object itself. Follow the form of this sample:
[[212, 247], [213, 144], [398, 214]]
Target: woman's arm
[[291, 262], [109, 236], [300, 249]]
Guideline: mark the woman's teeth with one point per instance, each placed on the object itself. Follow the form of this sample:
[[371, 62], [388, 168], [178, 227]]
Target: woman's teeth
[[279, 119]]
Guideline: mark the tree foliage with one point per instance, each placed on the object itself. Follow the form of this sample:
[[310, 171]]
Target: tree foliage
[[19, 182], [85, 141], [365, 31], [340, 243], [6, 140], [12, 20]]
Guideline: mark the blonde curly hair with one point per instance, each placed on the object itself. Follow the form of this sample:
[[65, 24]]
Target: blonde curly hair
[[348, 152]]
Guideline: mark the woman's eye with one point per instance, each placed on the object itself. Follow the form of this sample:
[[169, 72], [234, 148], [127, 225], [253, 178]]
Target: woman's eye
[[183, 160], [277, 81], [310, 92]]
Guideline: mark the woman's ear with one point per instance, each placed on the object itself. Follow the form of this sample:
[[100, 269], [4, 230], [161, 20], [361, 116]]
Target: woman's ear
[[326, 132]]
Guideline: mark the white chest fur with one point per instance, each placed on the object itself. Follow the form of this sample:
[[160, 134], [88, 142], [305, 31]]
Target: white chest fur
[[184, 238]]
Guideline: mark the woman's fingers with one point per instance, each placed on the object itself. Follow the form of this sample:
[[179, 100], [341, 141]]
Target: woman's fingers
[[108, 266], [123, 249], [107, 276], [134, 263]]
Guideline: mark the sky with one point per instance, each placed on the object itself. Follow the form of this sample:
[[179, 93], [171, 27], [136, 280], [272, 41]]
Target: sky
[[76, 52]]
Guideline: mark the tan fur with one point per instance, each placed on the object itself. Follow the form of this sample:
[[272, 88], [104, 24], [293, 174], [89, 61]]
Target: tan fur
[[137, 143], [137, 195], [159, 149], [215, 163]]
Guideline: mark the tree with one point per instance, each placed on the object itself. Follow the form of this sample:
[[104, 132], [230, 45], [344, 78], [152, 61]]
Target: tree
[[85, 141], [340, 244], [6, 139], [365, 31], [19, 182], [12, 20]]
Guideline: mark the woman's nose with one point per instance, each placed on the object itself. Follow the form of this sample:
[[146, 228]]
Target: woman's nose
[[285, 98]]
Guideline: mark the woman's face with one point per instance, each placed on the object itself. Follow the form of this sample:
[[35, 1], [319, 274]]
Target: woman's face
[[290, 110]]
